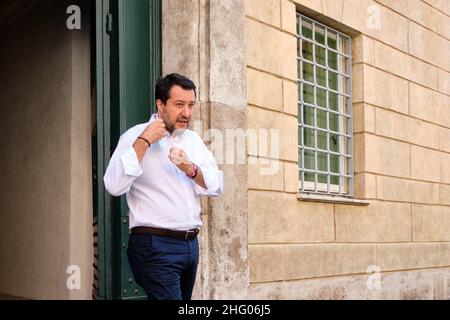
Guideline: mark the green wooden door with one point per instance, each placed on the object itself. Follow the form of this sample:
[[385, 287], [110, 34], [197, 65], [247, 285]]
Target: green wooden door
[[131, 66]]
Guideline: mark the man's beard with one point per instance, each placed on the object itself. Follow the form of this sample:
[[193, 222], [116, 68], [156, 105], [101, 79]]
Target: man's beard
[[170, 126]]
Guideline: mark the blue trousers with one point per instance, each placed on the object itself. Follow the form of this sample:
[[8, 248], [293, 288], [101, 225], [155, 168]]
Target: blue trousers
[[164, 267]]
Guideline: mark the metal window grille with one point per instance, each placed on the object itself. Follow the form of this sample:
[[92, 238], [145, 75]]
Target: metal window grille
[[325, 109]]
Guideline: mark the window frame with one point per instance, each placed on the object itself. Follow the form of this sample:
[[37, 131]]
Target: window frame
[[345, 176]]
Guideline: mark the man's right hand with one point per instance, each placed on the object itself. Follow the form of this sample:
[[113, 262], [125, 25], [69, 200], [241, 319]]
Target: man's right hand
[[155, 131]]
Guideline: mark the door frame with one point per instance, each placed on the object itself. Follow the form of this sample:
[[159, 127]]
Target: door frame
[[115, 108]]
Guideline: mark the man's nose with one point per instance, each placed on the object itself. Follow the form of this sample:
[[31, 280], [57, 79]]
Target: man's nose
[[187, 112]]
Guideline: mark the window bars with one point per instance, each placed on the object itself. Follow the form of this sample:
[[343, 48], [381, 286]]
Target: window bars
[[325, 109]]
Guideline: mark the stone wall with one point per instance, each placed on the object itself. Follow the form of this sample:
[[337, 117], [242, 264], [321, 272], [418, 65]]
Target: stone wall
[[401, 88]]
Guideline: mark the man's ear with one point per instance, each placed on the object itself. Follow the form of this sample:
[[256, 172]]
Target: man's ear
[[160, 106]]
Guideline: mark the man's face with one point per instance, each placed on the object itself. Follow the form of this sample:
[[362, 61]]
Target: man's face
[[177, 111]]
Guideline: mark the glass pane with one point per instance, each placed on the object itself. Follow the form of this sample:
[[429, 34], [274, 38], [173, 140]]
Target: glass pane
[[344, 185], [334, 163], [321, 76], [320, 55], [307, 28], [334, 180], [322, 178], [344, 141], [333, 80], [309, 177], [309, 137], [333, 100], [321, 96], [344, 104], [332, 60], [320, 34], [309, 160], [343, 85], [308, 72], [322, 140], [334, 122], [332, 39], [308, 93], [308, 115], [344, 45], [334, 142], [343, 124], [343, 65], [322, 161], [307, 50], [321, 119]]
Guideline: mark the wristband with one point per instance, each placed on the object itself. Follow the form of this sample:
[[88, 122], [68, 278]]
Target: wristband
[[145, 141], [194, 174]]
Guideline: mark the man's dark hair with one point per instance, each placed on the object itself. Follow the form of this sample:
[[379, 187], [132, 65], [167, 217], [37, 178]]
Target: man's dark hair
[[164, 85]]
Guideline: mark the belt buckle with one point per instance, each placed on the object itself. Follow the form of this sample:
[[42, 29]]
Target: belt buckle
[[188, 232]]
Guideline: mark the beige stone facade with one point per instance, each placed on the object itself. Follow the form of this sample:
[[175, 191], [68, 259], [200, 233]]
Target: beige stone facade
[[261, 239], [401, 104]]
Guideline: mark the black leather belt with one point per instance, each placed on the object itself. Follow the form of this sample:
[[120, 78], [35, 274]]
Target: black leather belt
[[183, 235]]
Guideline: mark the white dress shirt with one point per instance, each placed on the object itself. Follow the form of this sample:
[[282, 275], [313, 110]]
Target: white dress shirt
[[158, 193]]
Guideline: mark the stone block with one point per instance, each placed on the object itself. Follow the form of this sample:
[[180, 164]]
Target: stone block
[[365, 186], [271, 50], [428, 46], [430, 223], [291, 177], [315, 5], [363, 118], [443, 21], [405, 128], [290, 97], [415, 10], [395, 189], [267, 11], [404, 256], [300, 261], [276, 217], [425, 164], [273, 129], [265, 174], [444, 194], [385, 90], [378, 222], [429, 105], [264, 90], [444, 83], [444, 139], [377, 21], [363, 49], [288, 17], [386, 156]]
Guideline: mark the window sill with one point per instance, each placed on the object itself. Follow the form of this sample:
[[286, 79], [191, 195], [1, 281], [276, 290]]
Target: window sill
[[312, 197]]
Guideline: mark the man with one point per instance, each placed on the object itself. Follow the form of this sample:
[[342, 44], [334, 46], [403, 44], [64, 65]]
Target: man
[[163, 168]]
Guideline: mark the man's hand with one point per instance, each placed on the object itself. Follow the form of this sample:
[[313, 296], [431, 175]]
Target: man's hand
[[152, 134], [155, 131], [180, 158]]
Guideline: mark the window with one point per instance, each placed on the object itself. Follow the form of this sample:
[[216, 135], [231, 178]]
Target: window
[[325, 109]]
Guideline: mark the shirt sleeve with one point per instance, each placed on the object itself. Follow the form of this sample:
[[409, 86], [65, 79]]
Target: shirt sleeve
[[123, 168], [212, 176]]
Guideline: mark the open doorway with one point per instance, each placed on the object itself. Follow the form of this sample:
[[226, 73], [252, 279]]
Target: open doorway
[[67, 94], [45, 136]]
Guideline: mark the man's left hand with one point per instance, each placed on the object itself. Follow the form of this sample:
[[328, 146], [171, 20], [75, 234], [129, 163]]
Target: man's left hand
[[180, 158]]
